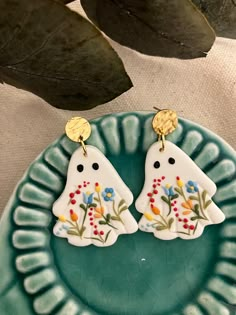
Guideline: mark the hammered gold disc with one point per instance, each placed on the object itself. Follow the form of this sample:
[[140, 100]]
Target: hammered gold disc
[[165, 122], [78, 129]]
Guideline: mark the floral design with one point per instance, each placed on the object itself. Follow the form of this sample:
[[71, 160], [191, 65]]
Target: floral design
[[192, 187], [93, 212], [108, 194], [185, 210]]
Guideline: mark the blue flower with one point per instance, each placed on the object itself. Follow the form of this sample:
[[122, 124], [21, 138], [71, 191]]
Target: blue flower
[[108, 194], [192, 187], [88, 198], [168, 190]]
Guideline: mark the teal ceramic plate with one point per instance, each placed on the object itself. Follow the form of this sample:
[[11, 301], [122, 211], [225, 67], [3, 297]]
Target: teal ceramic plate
[[139, 275]]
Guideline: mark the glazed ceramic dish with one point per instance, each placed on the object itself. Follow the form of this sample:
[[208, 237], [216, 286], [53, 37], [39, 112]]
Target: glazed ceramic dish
[[139, 274]]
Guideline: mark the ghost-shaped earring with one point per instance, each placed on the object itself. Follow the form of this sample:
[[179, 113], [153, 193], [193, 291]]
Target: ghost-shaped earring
[[93, 208], [176, 196]]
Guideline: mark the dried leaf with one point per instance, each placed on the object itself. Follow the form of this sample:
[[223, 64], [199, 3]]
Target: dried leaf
[[221, 14], [170, 28], [57, 54]]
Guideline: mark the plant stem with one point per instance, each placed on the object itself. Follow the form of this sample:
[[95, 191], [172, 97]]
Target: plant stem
[[169, 206], [201, 208], [116, 213], [185, 199]]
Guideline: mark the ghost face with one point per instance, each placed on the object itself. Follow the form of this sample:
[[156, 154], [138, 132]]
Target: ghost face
[[173, 162]]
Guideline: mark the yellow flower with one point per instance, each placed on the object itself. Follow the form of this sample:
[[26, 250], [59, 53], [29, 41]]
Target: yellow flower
[[180, 183], [62, 218], [155, 210], [99, 212], [168, 186], [97, 187], [148, 216]]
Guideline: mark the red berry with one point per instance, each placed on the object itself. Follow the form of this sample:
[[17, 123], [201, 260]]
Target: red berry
[[159, 180], [79, 186], [71, 211], [178, 178], [71, 195], [180, 220], [155, 191], [151, 205], [154, 186], [172, 204], [159, 184], [91, 208], [95, 232], [88, 183], [175, 202], [90, 213], [77, 192], [192, 227], [95, 226], [91, 223], [85, 185], [163, 177], [175, 209], [96, 184], [177, 215], [154, 180], [152, 200], [101, 233], [185, 220], [185, 226], [91, 219], [149, 194], [73, 201]]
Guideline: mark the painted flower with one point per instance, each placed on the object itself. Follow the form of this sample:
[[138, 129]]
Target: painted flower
[[168, 189], [155, 210], [180, 183], [99, 212], [108, 194], [73, 216], [97, 187], [192, 187], [188, 204], [148, 216], [62, 218], [88, 198]]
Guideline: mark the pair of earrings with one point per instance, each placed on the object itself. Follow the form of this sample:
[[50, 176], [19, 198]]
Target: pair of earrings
[[175, 200]]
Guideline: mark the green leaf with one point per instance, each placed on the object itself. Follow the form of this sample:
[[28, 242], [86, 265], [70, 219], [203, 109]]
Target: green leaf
[[165, 199], [108, 233], [194, 218], [82, 206], [170, 222], [94, 238], [204, 194], [174, 197], [57, 54], [102, 222], [161, 228], [115, 218], [221, 14], [108, 217], [164, 28], [178, 190], [93, 205], [208, 203], [96, 199], [72, 233], [193, 198], [121, 203], [123, 209]]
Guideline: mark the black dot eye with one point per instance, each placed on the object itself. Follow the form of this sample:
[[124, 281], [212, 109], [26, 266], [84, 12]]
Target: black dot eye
[[95, 166], [80, 168], [157, 164], [171, 160]]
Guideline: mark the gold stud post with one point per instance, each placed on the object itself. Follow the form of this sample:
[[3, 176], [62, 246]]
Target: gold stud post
[[164, 123], [78, 129]]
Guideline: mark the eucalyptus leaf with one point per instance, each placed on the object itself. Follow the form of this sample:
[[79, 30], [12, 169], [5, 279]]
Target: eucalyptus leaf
[[161, 228], [173, 28], [221, 14], [170, 222], [208, 204], [49, 50]]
